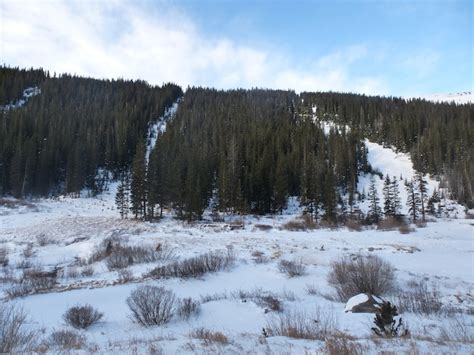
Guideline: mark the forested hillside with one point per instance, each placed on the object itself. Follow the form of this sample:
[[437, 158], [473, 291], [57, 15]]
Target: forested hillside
[[59, 140], [247, 151], [439, 136], [242, 151]]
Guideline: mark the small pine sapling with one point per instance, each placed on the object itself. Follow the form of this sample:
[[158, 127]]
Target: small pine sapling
[[385, 323]]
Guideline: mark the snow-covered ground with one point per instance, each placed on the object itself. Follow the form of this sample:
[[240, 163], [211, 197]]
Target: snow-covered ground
[[62, 233]]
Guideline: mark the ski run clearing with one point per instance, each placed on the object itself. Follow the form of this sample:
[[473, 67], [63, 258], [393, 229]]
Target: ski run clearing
[[65, 232]]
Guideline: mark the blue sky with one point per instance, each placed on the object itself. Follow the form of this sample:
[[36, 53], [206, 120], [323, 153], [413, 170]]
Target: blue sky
[[375, 47]]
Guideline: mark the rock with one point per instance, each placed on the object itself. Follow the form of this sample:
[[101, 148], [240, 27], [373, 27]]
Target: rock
[[364, 303]]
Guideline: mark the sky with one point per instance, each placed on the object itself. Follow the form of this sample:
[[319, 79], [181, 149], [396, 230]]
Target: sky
[[397, 48]]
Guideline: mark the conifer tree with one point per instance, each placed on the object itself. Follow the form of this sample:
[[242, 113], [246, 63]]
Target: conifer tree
[[413, 200], [375, 211], [388, 197], [122, 196], [396, 202], [423, 190], [138, 187]]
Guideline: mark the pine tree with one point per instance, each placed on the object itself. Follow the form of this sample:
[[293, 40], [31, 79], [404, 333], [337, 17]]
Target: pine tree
[[122, 196], [422, 188], [396, 202], [138, 187], [413, 200], [375, 211], [388, 197]]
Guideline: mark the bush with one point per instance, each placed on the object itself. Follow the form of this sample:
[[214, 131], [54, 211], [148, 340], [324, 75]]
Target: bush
[[301, 325], [44, 240], [66, 340], [82, 317], [188, 307], [151, 305], [420, 299], [196, 266], [390, 223], [14, 334], [361, 274], [302, 223], [405, 229], [209, 337], [292, 268], [259, 257]]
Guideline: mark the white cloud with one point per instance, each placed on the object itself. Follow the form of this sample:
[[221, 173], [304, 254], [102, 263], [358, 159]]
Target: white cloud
[[118, 39]]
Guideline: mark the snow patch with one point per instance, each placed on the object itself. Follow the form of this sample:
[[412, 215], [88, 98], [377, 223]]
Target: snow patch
[[27, 94]]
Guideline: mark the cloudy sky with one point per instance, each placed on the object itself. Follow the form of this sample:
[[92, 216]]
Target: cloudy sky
[[374, 47]]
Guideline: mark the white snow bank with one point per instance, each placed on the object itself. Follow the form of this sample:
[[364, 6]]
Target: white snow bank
[[27, 94]]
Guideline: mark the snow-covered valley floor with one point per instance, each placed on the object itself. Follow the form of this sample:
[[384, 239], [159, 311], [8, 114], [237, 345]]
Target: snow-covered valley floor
[[65, 232]]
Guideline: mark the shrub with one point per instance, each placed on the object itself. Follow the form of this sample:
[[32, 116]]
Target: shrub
[[420, 299], [196, 266], [188, 307], [292, 268], [209, 336], [14, 334], [302, 223], [43, 240], [301, 325], [361, 274], [264, 227], [87, 271], [405, 229], [354, 224], [259, 257], [124, 275], [66, 340], [312, 290], [28, 251], [3, 256], [390, 223], [82, 317], [151, 305]]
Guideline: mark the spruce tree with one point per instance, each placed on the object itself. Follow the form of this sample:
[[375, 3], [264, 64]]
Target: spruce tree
[[122, 196], [396, 202], [138, 187], [375, 211], [423, 190], [388, 197], [413, 200]]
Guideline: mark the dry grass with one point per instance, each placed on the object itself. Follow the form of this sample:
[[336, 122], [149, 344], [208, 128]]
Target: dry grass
[[209, 337], [420, 299], [390, 224], [292, 268], [354, 225], [405, 229], [303, 223], [317, 325], [196, 266], [343, 344], [361, 274], [66, 340], [263, 227]]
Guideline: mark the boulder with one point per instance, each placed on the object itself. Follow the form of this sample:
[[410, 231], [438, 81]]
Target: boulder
[[364, 303]]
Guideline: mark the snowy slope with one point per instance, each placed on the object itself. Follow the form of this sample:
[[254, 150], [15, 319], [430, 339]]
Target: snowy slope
[[398, 165], [27, 94]]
